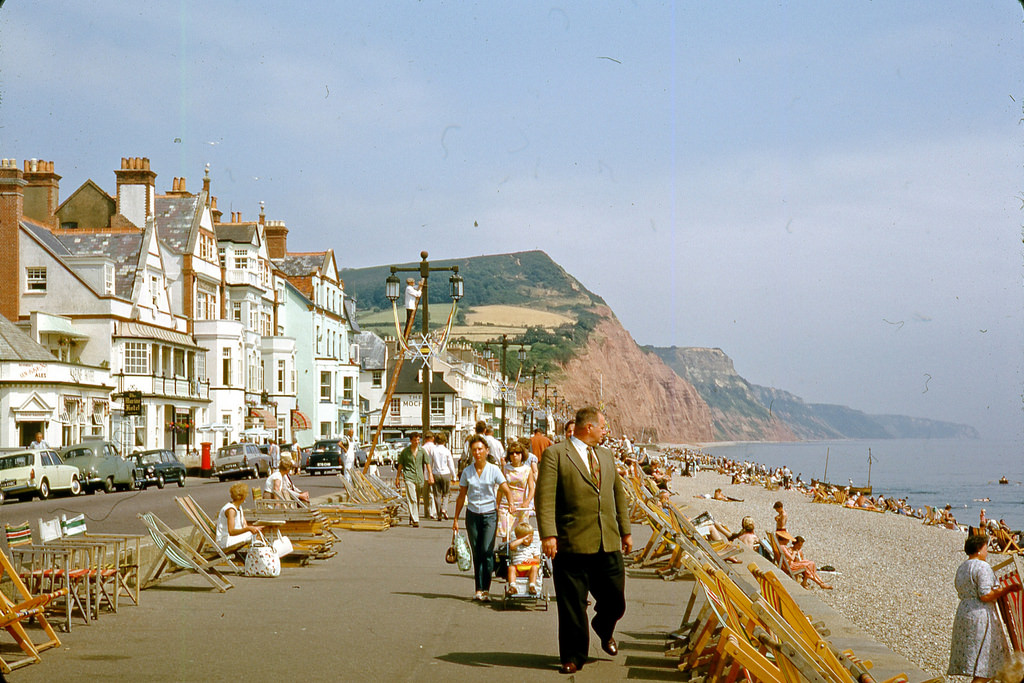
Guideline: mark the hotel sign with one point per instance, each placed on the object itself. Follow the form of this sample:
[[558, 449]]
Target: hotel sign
[[132, 402]]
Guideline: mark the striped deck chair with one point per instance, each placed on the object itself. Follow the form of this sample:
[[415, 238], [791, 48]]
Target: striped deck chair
[[204, 535], [177, 557], [54, 569], [1011, 606], [102, 574]]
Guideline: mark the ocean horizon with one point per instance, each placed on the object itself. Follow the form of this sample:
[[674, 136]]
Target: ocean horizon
[[933, 472]]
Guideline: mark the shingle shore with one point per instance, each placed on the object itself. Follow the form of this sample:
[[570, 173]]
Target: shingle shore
[[894, 575]]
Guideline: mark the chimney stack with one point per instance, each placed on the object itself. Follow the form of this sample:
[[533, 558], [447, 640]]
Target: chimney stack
[[277, 239], [42, 192], [215, 213], [12, 207], [136, 190], [178, 188]]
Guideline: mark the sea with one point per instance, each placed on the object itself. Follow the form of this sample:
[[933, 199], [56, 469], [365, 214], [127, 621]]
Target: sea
[[934, 472]]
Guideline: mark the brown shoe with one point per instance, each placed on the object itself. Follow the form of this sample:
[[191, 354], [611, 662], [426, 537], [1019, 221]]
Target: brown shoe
[[568, 668]]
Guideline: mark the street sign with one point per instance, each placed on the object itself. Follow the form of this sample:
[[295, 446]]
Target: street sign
[[132, 402]]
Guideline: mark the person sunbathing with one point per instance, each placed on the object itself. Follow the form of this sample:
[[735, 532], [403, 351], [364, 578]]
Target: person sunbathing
[[863, 502], [947, 519], [794, 557]]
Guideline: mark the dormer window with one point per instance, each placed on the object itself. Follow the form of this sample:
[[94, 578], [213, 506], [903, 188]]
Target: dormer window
[[154, 289], [108, 278]]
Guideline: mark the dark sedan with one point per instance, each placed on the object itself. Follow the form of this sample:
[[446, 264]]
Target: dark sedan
[[157, 467]]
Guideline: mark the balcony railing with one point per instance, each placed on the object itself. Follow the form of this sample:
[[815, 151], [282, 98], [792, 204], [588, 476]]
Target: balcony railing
[[236, 276], [160, 385]]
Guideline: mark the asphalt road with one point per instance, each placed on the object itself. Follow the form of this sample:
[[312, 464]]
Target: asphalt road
[[116, 512]]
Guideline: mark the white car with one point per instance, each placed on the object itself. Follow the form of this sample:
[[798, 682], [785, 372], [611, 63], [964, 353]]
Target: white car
[[28, 473]]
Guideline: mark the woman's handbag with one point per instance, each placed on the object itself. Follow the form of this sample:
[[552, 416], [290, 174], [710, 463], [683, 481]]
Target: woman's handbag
[[450, 555], [261, 560], [463, 556], [282, 545]]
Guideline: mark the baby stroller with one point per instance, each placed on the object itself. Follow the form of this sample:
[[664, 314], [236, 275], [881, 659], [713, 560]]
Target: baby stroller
[[523, 597]]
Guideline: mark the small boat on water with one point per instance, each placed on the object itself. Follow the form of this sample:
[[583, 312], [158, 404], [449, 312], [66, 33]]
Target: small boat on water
[[866, 490], [1004, 480]]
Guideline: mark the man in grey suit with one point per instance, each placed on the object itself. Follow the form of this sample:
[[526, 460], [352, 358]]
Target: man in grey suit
[[583, 515]]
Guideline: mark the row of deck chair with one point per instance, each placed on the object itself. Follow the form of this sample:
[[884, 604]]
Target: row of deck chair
[[742, 633]]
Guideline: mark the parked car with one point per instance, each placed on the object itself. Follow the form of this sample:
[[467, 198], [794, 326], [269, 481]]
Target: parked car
[[240, 460], [325, 457], [26, 473], [157, 467], [100, 465]]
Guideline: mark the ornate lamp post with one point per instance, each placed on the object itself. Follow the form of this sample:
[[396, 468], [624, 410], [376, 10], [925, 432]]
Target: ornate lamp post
[[392, 289], [505, 387]]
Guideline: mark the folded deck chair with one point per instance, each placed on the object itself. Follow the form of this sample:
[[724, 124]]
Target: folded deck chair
[[177, 557], [52, 569], [126, 551]]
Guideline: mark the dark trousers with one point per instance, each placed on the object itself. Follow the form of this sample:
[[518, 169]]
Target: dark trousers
[[481, 529], [603, 575]]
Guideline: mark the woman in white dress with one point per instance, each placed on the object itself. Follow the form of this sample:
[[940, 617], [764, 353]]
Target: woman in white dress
[[232, 531]]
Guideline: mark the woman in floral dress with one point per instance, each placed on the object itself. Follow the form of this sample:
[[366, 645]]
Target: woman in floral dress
[[521, 482]]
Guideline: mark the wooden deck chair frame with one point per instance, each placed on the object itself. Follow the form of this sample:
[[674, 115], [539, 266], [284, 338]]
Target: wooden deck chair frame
[[1011, 606], [127, 549], [51, 569], [93, 558], [13, 613], [203, 538], [176, 557]]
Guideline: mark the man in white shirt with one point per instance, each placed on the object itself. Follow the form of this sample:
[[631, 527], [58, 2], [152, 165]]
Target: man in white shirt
[[348, 459], [497, 449], [443, 466], [412, 296], [428, 498], [40, 442]]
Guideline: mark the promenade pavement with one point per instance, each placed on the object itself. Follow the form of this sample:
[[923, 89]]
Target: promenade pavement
[[386, 607]]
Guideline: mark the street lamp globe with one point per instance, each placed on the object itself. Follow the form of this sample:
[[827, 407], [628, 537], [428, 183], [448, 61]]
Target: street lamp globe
[[392, 286], [456, 282]]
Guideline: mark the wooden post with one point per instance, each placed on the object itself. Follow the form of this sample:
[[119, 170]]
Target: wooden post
[[386, 405]]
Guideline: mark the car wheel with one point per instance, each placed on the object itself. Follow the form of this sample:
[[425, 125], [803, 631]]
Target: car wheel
[[44, 489], [108, 484], [160, 481], [76, 486], [181, 480], [1, 497], [131, 485], [219, 478]]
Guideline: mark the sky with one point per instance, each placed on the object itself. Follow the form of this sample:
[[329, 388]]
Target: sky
[[832, 193]]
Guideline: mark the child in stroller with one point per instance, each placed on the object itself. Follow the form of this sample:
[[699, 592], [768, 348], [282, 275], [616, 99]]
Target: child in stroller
[[525, 558]]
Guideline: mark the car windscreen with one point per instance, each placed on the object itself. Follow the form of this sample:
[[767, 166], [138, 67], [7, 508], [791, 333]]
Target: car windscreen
[[149, 459]]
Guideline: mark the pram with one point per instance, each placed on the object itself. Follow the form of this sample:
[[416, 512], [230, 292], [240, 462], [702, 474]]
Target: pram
[[523, 597]]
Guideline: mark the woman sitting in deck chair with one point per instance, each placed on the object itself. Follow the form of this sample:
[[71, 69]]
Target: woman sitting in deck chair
[[279, 485], [232, 531]]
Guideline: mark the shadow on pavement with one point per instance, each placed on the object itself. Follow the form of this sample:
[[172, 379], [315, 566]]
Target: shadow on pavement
[[517, 660], [434, 596]]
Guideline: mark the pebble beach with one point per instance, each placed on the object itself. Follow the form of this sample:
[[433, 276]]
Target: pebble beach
[[894, 575]]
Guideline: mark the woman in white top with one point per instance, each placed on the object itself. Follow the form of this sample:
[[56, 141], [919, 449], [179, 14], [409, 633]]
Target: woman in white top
[[279, 485], [481, 486], [232, 531]]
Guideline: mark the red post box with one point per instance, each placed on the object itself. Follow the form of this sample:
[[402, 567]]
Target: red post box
[[206, 463]]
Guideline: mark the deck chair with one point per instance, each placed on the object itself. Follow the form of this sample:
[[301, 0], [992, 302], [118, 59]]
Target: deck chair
[[54, 569], [1011, 606], [126, 550], [21, 608], [1004, 543], [176, 557], [93, 555], [203, 538]]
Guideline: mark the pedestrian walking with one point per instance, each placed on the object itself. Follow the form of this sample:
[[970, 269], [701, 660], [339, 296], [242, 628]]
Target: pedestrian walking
[[583, 516], [409, 476]]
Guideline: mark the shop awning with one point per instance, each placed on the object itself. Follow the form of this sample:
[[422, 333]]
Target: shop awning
[[269, 419], [300, 421], [134, 330]]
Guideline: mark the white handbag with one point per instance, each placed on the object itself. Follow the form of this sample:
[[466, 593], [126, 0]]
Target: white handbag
[[261, 560], [282, 545]]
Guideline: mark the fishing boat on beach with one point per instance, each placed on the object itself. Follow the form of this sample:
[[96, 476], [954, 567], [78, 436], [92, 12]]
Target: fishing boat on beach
[[1004, 480]]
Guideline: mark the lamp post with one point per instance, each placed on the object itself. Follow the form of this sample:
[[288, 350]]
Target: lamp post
[[533, 399], [392, 286], [521, 355]]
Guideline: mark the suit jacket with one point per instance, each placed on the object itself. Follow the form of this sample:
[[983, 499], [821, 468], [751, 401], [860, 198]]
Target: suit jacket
[[570, 506]]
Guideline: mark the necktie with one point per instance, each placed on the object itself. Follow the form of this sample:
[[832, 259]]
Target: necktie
[[595, 466]]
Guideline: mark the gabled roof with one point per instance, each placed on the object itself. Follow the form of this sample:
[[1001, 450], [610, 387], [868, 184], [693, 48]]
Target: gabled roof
[[239, 233], [407, 383], [121, 247], [175, 216], [373, 352], [303, 265], [43, 234], [15, 345], [91, 187]]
